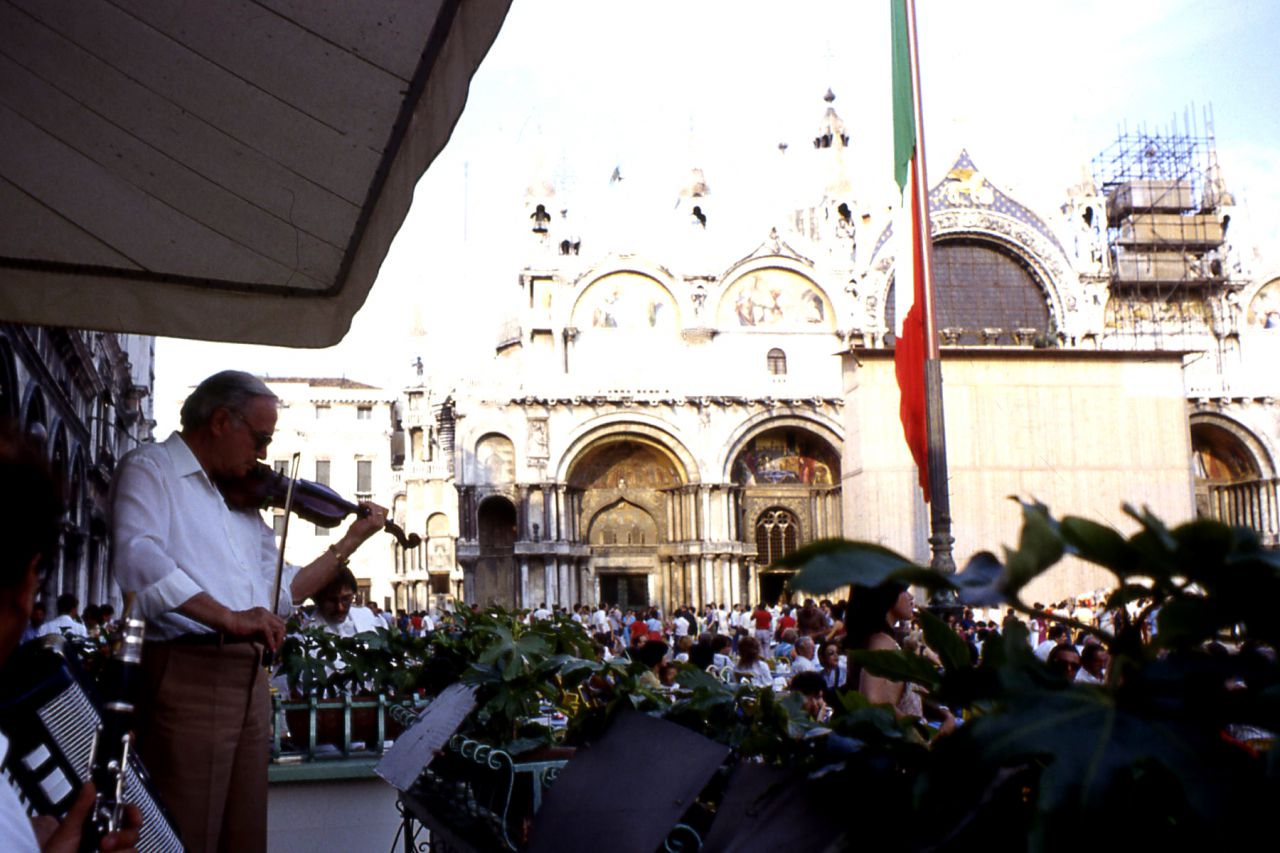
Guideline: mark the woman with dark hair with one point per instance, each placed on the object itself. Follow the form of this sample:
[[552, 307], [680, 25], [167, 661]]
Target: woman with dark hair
[[750, 667], [651, 655], [870, 620]]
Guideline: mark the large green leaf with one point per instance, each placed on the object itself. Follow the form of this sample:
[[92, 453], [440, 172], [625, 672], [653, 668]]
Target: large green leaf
[[1039, 547], [945, 642], [981, 582], [897, 666], [830, 564], [1099, 544], [1087, 743]]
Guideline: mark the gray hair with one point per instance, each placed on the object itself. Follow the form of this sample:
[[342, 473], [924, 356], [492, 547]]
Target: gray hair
[[805, 643], [231, 389]]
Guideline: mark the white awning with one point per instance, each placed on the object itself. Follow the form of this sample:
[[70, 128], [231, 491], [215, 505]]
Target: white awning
[[228, 170]]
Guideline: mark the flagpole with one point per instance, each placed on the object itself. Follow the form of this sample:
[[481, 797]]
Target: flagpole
[[941, 539]]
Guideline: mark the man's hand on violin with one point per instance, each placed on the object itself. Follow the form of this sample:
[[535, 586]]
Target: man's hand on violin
[[362, 528], [256, 623]]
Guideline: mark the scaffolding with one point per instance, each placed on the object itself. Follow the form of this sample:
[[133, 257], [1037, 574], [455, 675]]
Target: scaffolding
[[1165, 224]]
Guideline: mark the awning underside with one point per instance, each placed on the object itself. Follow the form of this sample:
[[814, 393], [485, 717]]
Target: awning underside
[[221, 170]]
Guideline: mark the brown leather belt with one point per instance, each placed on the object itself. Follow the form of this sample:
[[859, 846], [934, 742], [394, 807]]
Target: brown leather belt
[[208, 638]]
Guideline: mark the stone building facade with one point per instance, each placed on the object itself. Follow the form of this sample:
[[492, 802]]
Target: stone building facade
[[87, 396], [1141, 258], [666, 414], [342, 431], [663, 420]]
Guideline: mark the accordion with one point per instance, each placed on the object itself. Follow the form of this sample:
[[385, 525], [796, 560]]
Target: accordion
[[49, 713]]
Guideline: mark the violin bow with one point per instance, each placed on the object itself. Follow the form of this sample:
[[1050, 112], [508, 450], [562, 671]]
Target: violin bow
[[284, 533]]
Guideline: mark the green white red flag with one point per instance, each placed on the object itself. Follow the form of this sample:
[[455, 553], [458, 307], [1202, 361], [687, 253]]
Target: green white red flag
[[909, 275]]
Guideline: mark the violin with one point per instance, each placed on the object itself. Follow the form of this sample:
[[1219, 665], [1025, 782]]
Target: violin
[[265, 487]]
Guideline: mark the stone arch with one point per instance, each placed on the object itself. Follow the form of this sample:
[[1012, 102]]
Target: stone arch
[[1232, 471], [783, 454], [824, 428], [772, 296], [1261, 306], [1226, 450], [439, 544], [622, 523], [35, 416], [495, 459], [637, 427], [438, 524], [495, 579], [1013, 257], [625, 298]]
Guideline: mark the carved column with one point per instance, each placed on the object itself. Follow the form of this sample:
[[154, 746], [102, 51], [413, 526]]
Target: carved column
[[566, 594], [561, 518], [522, 512]]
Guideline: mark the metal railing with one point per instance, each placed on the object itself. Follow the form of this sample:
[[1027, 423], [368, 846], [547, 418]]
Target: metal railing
[[1252, 503], [337, 728]]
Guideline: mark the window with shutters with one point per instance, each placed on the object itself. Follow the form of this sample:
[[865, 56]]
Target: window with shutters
[[777, 535]]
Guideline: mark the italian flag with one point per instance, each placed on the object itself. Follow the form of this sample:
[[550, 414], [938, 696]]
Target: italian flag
[[909, 351]]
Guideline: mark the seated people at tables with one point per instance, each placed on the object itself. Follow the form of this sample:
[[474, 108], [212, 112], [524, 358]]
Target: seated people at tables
[[786, 647], [650, 655], [721, 651], [809, 686], [833, 674], [336, 611], [749, 666], [65, 622]]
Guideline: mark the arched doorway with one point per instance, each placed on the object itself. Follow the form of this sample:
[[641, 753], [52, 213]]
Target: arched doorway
[[1232, 476], [496, 578], [790, 479], [629, 534], [777, 534], [623, 481]]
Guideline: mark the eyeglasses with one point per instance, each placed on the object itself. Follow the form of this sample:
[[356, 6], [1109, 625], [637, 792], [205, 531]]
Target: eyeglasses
[[261, 440]]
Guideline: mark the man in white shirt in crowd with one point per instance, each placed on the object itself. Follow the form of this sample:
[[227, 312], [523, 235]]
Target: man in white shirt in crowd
[[1058, 635], [191, 543], [65, 622], [806, 659], [30, 511], [337, 612], [599, 620]]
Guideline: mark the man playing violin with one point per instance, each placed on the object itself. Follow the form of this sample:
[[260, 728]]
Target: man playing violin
[[204, 571]]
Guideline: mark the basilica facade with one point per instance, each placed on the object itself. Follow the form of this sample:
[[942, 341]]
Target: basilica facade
[[665, 419], [668, 416]]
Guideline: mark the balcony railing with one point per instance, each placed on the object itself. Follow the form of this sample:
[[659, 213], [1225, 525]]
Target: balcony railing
[[1252, 503]]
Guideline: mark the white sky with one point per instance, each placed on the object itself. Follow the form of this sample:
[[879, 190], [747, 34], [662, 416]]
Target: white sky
[[573, 88]]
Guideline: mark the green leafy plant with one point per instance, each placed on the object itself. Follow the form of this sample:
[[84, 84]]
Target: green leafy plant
[[1149, 757]]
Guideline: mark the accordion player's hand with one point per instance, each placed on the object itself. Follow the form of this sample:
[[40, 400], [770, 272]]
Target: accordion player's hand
[[123, 839], [64, 837]]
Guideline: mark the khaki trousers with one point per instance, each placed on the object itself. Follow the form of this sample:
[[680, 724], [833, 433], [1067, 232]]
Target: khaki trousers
[[204, 736]]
